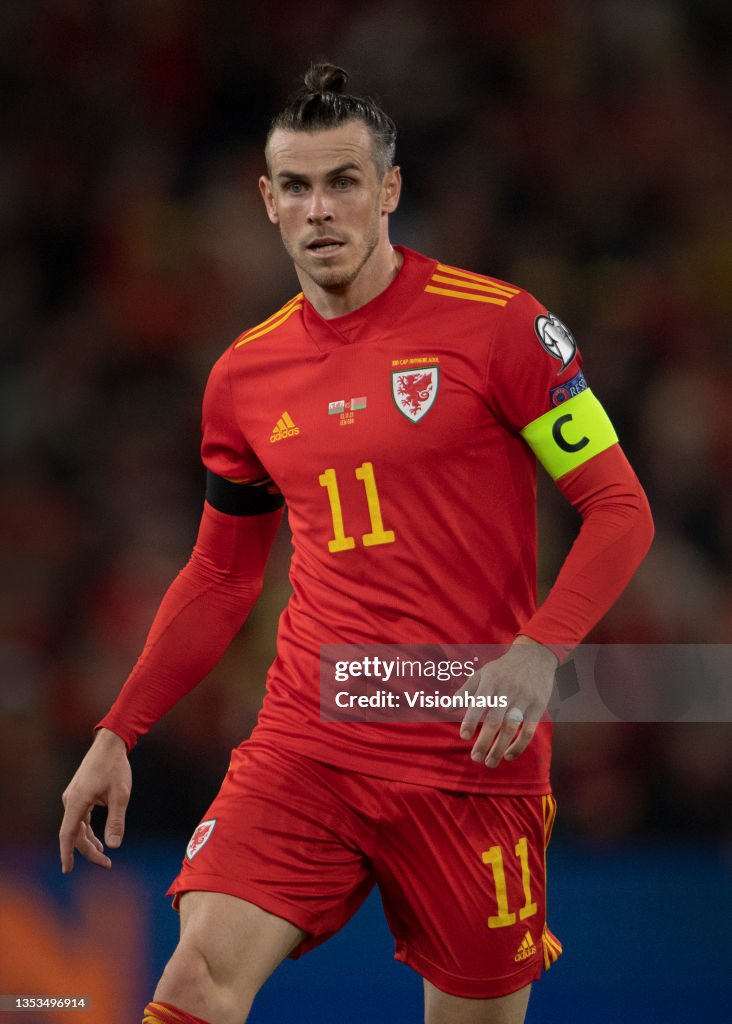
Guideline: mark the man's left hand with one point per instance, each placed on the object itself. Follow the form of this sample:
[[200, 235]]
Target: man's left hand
[[525, 676]]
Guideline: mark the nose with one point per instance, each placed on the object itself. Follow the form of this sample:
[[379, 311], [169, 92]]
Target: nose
[[319, 211]]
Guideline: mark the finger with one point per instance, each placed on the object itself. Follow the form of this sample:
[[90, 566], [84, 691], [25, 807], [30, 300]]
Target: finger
[[485, 740], [67, 856], [472, 716], [92, 851], [523, 739], [70, 825], [471, 720], [484, 684], [89, 832], [506, 735], [472, 683], [84, 842], [114, 830]]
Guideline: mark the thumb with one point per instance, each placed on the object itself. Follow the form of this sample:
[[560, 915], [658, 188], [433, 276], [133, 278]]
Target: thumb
[[115, 828]]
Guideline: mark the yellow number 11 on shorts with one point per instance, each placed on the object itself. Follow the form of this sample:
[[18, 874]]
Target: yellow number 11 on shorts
[[494, 857]]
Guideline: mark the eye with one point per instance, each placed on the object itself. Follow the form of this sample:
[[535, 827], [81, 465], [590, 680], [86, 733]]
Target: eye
[[295, 188], [343, 183]]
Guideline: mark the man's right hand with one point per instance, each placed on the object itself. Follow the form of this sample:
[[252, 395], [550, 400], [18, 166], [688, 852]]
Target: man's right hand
[[103, 779]]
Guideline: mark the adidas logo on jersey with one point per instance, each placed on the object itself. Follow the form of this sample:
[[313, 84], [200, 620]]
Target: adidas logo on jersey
[[284, 427], [526, 949]]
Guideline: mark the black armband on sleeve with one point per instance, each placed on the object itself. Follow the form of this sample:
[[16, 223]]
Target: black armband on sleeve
[[240, 499]]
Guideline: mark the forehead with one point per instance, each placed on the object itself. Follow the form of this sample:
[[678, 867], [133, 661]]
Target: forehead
[[320, 151]]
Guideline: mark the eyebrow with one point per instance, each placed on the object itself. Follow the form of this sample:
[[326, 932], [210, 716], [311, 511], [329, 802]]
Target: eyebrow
[[341, 169]]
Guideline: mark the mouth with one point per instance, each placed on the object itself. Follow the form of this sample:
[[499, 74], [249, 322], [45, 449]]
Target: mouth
[[324, 246]]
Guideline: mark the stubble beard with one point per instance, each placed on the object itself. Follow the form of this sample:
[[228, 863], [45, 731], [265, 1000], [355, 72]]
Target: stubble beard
[[332, 279]]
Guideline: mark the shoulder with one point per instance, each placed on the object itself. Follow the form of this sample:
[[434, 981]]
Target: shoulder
[[520, 332], [272, 324], [468, 286], [222, 369], [271, 328], [481, 298]]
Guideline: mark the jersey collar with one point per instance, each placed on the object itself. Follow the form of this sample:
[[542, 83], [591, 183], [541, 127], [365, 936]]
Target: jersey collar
[[378, 316]]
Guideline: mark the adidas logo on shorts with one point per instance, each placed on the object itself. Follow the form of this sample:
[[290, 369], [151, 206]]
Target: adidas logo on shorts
[[526, 949]]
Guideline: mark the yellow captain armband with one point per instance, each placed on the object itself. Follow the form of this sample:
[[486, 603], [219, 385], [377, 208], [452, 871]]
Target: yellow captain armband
[[566, 437]]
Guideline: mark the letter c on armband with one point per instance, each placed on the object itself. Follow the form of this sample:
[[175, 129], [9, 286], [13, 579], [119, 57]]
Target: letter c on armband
[[560, 439]]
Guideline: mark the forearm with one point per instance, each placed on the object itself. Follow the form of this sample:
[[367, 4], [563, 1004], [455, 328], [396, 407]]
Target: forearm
[[615, 535], [195, 623], [201, 612]]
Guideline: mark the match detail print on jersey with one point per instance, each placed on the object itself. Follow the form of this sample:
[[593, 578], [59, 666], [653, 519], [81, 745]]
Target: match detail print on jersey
[[571, 434]]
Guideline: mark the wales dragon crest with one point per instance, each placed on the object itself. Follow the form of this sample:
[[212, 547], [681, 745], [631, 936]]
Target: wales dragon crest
[[414, 391]]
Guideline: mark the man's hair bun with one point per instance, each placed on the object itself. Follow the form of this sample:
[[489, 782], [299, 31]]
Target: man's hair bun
[[322, 78], [321, 103]]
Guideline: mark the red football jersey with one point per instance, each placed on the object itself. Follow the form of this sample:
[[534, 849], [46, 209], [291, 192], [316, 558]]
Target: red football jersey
[[394, 434]]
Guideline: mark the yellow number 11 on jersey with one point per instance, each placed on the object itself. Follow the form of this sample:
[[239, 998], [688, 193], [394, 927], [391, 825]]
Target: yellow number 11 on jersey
[[378, 534]]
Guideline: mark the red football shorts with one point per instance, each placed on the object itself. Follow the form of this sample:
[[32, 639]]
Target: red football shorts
[[462, 876]]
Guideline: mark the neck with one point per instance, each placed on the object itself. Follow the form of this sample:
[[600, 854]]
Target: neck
[[375, 276]]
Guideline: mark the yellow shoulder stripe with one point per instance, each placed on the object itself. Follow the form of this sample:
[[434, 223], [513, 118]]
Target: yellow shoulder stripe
[[507, 289], [571, 434], [472, 285], [272, 321], [283, 309], [465, 295]]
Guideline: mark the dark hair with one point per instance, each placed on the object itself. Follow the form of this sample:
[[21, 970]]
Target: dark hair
[[320, 103]]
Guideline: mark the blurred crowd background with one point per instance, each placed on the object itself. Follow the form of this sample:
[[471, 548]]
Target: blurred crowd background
[[579, 148]]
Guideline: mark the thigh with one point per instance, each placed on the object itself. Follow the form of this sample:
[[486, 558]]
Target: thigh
[[281, 836], [463, 880], [441, 1008], [241, 943]]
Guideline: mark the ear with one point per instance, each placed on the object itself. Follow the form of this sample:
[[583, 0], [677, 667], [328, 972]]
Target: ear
[[391, 190], [265, 189]]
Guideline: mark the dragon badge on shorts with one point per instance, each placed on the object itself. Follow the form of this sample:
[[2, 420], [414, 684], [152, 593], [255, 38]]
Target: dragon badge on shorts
[[200, 837], [414, 391]]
